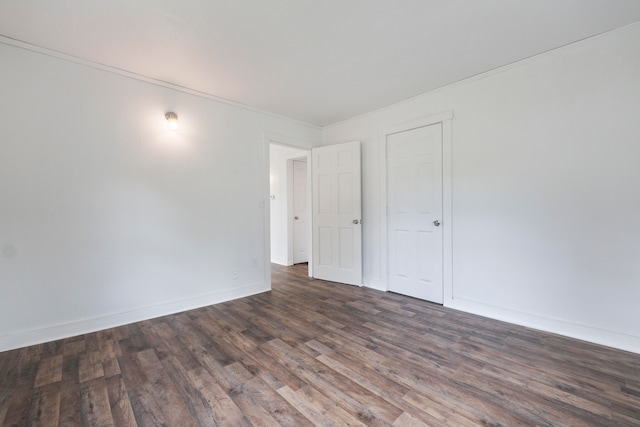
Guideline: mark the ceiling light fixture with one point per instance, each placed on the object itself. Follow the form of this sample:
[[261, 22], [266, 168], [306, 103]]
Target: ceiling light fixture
[[172, 120]]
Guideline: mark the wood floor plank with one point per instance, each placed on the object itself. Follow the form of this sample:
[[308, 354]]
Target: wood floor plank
[[443, 390], [176, 348], [243, 399], [52, 348], [424, 378], [3, 413], [161, 388], [341, 389], [45, 406], [446, 414], [312, 352], [224, 410], [91, 366], [95, 408], [49, 371], [383, 387], [328, 408], [121, 410], [70, 403], [197, 404], [132, 372], [308, 410], [261, 394], [262, 364], [70, 388], [146, 408], [18, 396], [408, 420], [73, 347], [17, 410], [507, 388]]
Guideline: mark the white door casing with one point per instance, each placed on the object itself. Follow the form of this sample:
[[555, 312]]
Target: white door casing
[[281, 140], [336, 216], [415, 212], [299, 211]]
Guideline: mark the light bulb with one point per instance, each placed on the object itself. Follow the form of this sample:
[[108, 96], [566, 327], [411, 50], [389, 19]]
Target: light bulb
[[172, 120]]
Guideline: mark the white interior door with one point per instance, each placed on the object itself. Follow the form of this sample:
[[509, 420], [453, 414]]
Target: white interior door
[[337, 232], [414, 201], [300, 212]]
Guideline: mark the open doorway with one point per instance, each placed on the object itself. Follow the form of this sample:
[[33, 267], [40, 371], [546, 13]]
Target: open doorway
[[333, 237], [298, 200], [290, 205]]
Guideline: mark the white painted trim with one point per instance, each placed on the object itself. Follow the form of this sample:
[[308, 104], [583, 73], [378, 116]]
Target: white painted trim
[[289, 178], [309, 216], [447, 208], [290, 208], [274, 138], [445, 119], [93, 324], [280, 261], [140, 77], [382, 173], [265, 203], [81, 61], [378, 285], [573, 330], [418, 123]]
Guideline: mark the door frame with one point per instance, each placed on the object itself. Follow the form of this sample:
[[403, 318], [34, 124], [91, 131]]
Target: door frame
[[290, 208], [268, 139], [445, 119]]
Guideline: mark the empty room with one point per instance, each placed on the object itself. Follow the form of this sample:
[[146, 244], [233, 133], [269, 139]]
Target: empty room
[[357, 212]]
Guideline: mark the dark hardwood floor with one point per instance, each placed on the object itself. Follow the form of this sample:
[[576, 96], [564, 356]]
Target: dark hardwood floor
[[317, 353]]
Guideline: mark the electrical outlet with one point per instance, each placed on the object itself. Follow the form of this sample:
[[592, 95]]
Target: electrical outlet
[[234, 274]]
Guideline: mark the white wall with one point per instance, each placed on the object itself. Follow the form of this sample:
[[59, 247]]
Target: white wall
[[108, 218], [546, 189], [280, 225]]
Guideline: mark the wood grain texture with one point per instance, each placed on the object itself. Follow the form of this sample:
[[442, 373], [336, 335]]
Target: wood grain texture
[[317, 353], [49, 371]]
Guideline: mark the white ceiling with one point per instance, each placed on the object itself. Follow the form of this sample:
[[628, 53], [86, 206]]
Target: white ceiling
[[319, 61]]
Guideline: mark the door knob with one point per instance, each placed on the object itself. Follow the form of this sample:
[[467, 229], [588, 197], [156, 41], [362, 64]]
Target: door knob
[[295, 217], [355, 221], [436, 223]]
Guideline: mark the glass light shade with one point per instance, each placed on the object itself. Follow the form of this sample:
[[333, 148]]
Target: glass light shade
[[172, 120]]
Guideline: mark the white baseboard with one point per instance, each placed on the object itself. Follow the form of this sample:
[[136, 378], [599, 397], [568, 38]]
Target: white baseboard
[[280, 261], [573, 330], [376, 284], [85, 326]]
